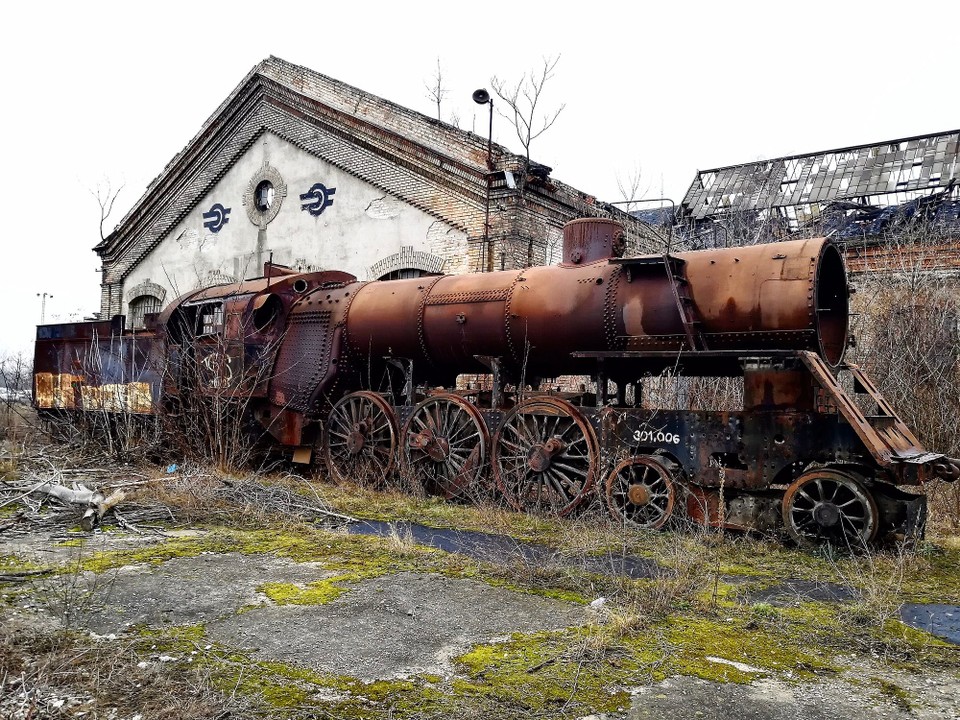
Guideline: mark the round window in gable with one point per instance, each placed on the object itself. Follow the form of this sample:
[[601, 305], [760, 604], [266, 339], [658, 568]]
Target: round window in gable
[[264, 196]]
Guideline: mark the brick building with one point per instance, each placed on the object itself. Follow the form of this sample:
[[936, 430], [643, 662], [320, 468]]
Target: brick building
[[313, 173]]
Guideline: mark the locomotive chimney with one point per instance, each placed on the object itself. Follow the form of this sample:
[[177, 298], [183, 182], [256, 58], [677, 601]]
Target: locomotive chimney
[[590, 239]]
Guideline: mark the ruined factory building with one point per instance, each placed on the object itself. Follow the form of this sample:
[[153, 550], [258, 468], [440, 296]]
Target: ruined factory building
[[316, 174], [853, 195]]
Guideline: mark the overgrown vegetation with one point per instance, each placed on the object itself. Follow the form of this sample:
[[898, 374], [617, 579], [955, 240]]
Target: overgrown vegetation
[[715, 608], [907, 330]]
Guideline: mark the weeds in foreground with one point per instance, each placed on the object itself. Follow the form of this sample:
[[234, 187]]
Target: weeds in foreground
[[47, 674], [73, 593], [681, 613], [879, 581], [401, 542]]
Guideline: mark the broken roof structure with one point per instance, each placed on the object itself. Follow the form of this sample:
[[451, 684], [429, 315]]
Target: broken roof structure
[[849, 193]]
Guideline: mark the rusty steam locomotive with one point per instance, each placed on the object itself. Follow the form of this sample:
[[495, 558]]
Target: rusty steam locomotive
[[434, 377]]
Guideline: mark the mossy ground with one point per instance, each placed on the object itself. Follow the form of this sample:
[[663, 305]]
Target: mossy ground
[[13, 563], [696, 618]]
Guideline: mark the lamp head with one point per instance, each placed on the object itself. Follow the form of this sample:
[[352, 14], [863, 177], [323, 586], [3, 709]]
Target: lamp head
[[481, 96]]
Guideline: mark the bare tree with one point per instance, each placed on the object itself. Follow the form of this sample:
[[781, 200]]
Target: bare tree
[[16, 378], [105, 196], [436, 92], [16, 373], [523, 101], [629, 187]]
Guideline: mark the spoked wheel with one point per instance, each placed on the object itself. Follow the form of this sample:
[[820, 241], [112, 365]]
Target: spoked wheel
[[643, 491], [360, 442], [827, 505], [445, 446], [545, 456]]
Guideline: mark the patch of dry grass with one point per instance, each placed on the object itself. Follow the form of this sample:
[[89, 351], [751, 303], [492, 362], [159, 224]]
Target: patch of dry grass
[[53, 674]]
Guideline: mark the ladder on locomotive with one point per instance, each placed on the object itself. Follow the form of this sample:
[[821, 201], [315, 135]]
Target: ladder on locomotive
[[677, 277]]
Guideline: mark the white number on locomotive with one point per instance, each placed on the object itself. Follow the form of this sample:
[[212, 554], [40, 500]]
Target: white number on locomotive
[[655, 436]]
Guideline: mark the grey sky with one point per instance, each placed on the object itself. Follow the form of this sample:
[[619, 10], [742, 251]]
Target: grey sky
[[100, 91]]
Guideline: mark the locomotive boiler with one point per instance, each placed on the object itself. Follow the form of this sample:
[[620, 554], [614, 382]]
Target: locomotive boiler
[[450, 382]]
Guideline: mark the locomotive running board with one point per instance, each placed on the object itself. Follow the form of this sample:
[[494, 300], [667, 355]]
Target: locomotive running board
[[885, 435]]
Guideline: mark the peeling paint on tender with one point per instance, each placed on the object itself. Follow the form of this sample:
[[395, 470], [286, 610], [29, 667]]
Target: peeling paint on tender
[[132, 397], [60, 392], [56, 391]]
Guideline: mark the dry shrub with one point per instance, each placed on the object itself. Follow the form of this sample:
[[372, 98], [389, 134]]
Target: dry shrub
[[17, 417], [877, 580], [907, 327], [689, 577], [54, 674], [198, 495], [207, 418]]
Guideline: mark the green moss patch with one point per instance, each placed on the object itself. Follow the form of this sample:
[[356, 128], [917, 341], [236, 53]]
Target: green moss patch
[[15, 564], [315, 593], [284, 687], [552, 674], [697, 644]]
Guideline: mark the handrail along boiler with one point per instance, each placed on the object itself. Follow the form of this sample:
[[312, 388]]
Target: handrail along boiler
[[363, 376]]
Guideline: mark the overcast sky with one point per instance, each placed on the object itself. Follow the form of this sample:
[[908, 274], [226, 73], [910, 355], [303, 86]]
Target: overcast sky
[[99, 92]]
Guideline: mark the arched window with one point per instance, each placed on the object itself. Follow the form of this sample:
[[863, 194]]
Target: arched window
[[408, 263], [140, 306], [404, 273]]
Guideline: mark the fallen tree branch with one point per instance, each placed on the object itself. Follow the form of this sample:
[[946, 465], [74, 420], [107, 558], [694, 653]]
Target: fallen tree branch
[[80, 496], [131, 483], [100, 507], [21, 497], [23, 575]]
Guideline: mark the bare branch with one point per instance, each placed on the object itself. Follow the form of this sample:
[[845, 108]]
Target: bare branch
[[629, 186], [436, 92], [105, 197], [523, 100]]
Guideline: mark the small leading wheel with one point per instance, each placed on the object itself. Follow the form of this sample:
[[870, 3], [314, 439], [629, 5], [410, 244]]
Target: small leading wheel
[[545, 456], [827, 505], [360, 442], [445, 446], [643, 491]]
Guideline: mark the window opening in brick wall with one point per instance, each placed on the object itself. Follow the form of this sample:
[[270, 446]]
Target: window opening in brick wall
[[140, 306], [405, 274]]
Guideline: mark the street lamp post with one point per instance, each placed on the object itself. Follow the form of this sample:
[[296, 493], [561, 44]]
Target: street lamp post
[[482, 97], [43, 305]]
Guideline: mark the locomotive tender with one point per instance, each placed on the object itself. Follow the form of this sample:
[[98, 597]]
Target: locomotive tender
[[363, 376]]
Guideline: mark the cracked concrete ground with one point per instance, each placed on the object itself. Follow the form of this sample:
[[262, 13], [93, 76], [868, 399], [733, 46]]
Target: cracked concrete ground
[[188, 591], [686, 698], [415, 624], [396, 625]]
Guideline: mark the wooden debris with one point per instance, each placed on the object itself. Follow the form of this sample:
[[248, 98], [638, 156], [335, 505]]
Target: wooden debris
[[99, 507]]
